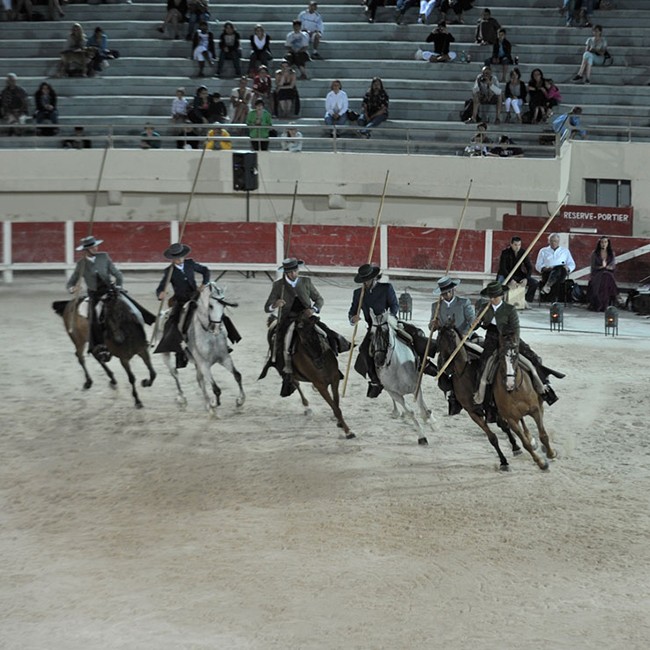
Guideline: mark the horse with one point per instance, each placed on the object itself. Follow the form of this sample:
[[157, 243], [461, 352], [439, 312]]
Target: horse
[[124, 335], [77, 327], [313, 361], [463, 377], [397, 369], [516, 397], [207, 344]]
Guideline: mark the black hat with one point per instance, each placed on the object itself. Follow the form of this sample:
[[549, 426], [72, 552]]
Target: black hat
[[177, 250], [494, 289], [290, 264], [367, 272], [445, 284], [88, 242]]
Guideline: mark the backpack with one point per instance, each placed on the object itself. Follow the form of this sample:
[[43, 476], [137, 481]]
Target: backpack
[[468, 109]]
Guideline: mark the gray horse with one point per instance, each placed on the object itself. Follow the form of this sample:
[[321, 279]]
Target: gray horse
[[207, 344], [397, 368]]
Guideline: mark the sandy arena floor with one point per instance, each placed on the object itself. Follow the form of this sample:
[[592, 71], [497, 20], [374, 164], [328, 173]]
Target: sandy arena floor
[[165, 529]]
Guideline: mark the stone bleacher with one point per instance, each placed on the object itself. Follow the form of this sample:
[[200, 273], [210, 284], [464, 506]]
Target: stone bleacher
[[139, 86]]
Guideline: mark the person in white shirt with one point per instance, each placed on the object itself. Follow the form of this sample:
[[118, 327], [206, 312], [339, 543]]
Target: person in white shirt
[[486, 91], [312, 23], [291, 139], [555, 263], [336, 105]]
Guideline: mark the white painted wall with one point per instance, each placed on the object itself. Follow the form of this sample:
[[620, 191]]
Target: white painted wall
[[333, 188]]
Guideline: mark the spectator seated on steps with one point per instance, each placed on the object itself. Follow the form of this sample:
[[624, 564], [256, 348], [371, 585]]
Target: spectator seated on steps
[[442, 40], [501, 54], [150, 138], [286, 99], [486, 91], [99, 40], [261, 54], [487, 29], [46, 111], [374, 107], [77, 58], [297, 44], [229, 49], [14, 102], [78, 141], [175, 17], [198, 11], [263, 86], [311, 22]]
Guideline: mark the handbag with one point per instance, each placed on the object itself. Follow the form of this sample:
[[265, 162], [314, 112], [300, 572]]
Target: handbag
[[609, 59], [352, 116]]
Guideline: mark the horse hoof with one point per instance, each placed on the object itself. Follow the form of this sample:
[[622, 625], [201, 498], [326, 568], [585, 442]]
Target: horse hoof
[[544, 466], [349, 435], [504, 468], [240, 402], [87, 385], [517, 452], [139, 405], [423, 441], [307, 411]]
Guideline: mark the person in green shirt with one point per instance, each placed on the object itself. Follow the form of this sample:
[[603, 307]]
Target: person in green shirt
[[259, 120]]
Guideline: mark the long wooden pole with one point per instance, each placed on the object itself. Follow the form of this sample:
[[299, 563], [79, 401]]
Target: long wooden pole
[[363, 286], [91, 221], [478, 319], [156, 326], [437, 308]]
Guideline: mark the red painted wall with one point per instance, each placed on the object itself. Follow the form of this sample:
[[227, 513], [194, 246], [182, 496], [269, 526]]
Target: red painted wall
[[332, 245], [38, 242], [429, 248]]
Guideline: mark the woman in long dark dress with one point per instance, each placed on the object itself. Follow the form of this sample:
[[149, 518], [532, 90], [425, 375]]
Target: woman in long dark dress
[[602, 288], [537, 96]]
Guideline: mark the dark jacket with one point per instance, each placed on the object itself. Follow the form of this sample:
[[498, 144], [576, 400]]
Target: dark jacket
[[441, 41], [507, 262], [305, 293], [235, 47], [507, 50], [380, 298], [507, 320], [184, 282]]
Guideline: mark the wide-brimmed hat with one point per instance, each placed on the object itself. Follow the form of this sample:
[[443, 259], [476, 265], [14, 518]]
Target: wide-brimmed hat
[[89, 242], [290, 264], [367, 272], [494, 289], [445, 284], [177, 250]]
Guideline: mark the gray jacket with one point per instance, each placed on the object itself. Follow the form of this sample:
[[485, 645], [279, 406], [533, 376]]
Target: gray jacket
[[102, 267], [460, 309]]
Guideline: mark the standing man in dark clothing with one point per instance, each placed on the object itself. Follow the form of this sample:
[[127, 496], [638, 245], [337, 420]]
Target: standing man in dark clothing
[[97, 270], [183, 280], [523, 275]]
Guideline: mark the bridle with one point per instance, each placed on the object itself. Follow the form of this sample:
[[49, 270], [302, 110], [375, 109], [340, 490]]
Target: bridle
[[215, 298]]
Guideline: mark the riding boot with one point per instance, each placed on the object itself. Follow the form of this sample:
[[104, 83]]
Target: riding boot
[[288, 384], [430, 368], [181, 359], [454, 405], [549, 395]]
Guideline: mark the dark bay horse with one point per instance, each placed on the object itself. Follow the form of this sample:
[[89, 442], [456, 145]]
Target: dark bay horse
[[124, 335], [76, 325], [314, 362], [207, 344], [397, 369], [463, 376], [516, 397]]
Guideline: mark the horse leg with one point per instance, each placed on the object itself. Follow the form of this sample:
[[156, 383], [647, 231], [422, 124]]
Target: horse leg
[[340, 422], [528, 434], [408, 413], [513, 423], [228, 364], [173, 371], [131, 376], [144, 355], [503, 425], [395, 413], [204, 376], [543, 434], [492, 437], [303, 399], [337, 403], [82, 362]]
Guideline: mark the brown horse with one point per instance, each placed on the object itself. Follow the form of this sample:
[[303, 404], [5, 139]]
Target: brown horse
[[516, 397], [314, 362], [124, 336], [463, 377], [77, 327]]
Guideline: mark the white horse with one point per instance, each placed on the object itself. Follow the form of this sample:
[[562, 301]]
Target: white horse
[[207, 344], [397, 368]]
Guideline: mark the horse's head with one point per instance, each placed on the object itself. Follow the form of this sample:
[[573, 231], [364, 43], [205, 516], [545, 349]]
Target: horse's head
[[215, 303], [509, 348], [382, 339]]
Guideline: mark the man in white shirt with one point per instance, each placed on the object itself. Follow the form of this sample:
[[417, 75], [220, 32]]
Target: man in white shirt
[[486, 91], [312, 23], [555, 264]]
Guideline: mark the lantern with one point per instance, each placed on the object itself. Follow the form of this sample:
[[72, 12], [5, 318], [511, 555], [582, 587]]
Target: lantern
[[405, 303], [556, 316], [611, 321]]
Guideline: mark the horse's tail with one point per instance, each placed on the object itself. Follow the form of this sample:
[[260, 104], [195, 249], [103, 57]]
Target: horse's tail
[[59, 306]]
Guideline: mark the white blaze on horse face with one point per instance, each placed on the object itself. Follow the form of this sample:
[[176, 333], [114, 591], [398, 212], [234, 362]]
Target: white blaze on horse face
[[510, 370]]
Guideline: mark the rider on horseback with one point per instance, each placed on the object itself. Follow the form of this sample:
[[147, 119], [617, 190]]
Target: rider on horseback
[[380, 297], [454, 310], [501, 318], [183, 281], [295, 296], [96, 269]]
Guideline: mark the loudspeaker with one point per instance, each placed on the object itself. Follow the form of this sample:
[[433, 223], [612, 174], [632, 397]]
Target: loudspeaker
[[244, 170]]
